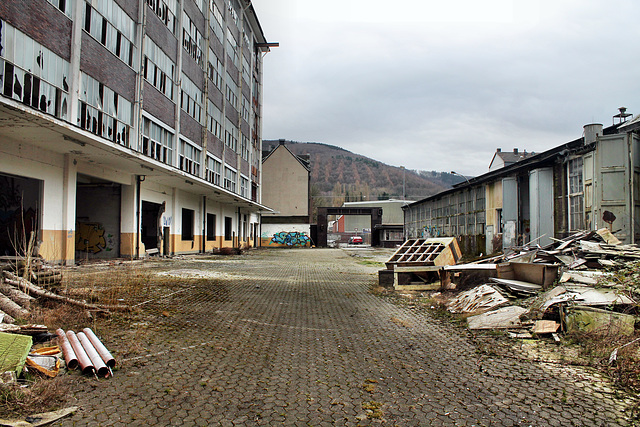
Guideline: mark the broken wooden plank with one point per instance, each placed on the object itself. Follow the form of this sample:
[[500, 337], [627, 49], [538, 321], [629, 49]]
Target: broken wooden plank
[[418, 287], [518, 285], [502, 318], [545, 327], [608, 236], [477, 300]]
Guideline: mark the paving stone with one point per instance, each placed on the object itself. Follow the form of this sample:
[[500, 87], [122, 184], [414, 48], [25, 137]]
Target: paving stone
[[295, 337]]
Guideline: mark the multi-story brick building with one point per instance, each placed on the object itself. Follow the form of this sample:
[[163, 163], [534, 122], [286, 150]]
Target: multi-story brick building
[[129, 126]]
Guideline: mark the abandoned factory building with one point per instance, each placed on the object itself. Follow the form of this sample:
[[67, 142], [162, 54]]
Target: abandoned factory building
[[586, 184], [129, 126]]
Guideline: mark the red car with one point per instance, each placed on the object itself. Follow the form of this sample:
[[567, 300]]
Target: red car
[[356, 240]]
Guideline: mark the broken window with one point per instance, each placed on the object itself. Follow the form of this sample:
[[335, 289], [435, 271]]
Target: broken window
[[230, 177], [244, 147], [104, 112], [214, 122], [166, 11], [232, 6], [158, 68], [64, 6], [215, 69], [232, 91], [246, 107], [189, 158], [576, 194], [191, 99], [232, 48], [112, 27], [157, 142], [31, 73], [244, 186], [214, 170], [192, 40], [231, 135], [216, 20]]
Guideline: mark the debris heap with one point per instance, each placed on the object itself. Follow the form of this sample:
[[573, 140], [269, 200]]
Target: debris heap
[[570, 285]]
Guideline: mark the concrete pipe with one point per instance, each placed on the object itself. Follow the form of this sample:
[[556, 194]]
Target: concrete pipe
[[108, 359], [83, 358], [96, 360], [70, 357]]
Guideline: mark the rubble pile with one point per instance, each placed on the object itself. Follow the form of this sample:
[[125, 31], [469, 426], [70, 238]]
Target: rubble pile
[[569, 286]]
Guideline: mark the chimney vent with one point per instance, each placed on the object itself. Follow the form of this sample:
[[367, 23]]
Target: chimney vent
[[591, 132], [621, 116], [281, 141], [515, 151], [498, 150]]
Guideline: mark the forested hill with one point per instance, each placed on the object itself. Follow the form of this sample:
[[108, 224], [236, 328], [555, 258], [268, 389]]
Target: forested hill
[[338, 175]]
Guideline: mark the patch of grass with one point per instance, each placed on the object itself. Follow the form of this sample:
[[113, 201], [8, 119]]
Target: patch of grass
[[43, 395], [368, 262], [373, 408]]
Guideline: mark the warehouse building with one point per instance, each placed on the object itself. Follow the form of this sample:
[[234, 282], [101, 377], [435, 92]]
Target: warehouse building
[[129, 127]]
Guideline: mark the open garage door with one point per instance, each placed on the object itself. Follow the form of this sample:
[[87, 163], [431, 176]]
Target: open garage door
[[97, 219]]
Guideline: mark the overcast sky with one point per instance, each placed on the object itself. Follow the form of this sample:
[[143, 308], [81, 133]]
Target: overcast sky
[[439, 85]]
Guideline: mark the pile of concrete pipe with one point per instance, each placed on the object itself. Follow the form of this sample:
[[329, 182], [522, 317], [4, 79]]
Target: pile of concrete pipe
[[85, 350]]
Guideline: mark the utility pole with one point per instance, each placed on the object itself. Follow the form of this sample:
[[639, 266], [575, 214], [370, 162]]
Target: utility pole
[[403, 182]]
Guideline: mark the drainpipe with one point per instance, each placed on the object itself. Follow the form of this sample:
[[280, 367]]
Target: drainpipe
[[139, 179], [204, 224], [239, 226]]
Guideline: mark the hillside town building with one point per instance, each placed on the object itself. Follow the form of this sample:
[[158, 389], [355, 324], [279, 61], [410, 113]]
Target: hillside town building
[[585, 184], [129, 127]]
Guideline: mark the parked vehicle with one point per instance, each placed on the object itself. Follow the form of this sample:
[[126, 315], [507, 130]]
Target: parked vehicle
[[355, 240]]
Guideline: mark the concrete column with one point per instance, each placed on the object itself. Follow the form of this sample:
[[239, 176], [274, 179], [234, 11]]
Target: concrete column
[[69, 187], [128, 219]]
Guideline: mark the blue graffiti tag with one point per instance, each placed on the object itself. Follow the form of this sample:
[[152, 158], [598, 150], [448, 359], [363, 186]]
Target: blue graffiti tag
[[290, 238]]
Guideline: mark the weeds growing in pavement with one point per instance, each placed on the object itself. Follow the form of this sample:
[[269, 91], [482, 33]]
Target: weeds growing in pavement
[[40, 396]]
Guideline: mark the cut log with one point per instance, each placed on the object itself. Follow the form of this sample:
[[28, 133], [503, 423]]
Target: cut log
[[12, 309], [32, 289], [5, 318], [17, 296], [23, 329]]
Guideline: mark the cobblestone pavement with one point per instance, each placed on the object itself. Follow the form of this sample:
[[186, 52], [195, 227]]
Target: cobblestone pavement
[[295, 337]]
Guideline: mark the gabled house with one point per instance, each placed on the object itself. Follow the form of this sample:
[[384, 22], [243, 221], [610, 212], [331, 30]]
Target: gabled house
[[506, 158], [286, 190]]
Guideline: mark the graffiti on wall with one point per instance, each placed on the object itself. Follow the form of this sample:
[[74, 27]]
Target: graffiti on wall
[[290, 238], [90, 238]]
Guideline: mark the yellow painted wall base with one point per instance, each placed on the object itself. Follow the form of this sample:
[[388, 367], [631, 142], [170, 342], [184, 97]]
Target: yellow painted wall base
[[58, 246], [186, 246]]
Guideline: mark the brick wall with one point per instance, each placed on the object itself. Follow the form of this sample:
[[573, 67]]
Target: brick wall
[[158, 105], [231, 159], [42, 22], [215, 95], [214, 145], [160, 34], [97, 61], [245, 168], [190, 128]]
